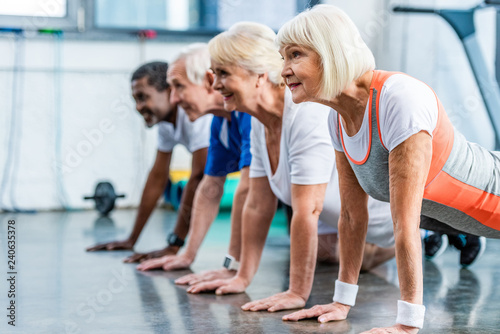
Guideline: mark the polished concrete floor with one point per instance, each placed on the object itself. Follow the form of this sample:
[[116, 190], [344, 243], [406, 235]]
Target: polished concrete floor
[[60, 288]]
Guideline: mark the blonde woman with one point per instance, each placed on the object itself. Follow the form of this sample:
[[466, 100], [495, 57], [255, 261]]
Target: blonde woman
[[292, 159], [393, 141]]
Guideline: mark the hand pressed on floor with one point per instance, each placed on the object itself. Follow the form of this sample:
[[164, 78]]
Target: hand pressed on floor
[[205, 276], [168, 262], [221, 286], [282, 301], [141, 257], [111, 246], [324, 313]]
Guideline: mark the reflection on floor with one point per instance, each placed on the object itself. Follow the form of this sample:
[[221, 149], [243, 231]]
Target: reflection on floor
[[63, 289]]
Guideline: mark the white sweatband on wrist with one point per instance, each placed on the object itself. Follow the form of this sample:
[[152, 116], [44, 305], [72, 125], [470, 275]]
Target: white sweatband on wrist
[[345, 293], [410, 314]]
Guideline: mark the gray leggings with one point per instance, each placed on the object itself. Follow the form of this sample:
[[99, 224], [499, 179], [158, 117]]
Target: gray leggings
[[432, 224]]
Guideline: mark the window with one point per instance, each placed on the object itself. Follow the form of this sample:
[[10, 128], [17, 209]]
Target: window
[[146, 14], [111, 19], [192, 15], [39, 14], [34, 8]]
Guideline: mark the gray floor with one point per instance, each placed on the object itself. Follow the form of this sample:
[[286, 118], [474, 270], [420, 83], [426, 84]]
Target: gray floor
[[62, 289]]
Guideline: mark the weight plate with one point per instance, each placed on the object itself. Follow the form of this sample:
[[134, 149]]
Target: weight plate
[[104, 197]]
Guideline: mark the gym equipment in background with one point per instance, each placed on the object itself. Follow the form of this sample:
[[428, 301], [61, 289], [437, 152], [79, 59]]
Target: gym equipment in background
[[104, 197], [462, 22]]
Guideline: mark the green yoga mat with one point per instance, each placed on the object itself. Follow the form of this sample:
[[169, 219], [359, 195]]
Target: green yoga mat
[[226, 202]]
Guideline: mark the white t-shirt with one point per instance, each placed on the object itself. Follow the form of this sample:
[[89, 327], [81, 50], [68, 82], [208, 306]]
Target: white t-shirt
[[307, 157], [406, 107], [193, 135]]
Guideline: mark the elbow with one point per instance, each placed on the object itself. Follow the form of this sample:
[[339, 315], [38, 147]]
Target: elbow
[[316, 212], [242, 190], [311, 213], [196, 177]]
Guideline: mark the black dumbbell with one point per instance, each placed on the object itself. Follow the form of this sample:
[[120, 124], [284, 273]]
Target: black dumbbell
[[104, 197]]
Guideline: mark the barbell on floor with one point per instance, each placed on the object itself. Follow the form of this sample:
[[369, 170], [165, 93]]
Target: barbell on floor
[[104, 197]]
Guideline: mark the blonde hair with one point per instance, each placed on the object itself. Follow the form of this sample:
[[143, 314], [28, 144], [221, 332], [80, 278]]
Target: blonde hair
[[251, 46], [197, 61], [329, 32]]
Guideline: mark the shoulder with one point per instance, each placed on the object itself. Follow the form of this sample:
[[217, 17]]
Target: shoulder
[[315, 110], [303, 115], [402, 88], [240, 116], [256, 124], [333, 122], [306, 117], [242, 120], [406, 106], [217, 120], [164, 128], [200, 124]]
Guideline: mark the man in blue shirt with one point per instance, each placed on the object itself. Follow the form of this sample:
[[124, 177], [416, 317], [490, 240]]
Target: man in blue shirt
[[229, 151]]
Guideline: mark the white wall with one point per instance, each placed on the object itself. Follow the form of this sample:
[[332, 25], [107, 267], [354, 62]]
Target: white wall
[[102, 137], [370, 16]]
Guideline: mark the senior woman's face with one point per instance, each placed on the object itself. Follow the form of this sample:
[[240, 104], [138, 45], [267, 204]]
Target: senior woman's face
[[301, 71], [236, 85]]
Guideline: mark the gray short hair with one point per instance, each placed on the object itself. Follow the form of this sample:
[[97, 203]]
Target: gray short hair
[[197, 61]]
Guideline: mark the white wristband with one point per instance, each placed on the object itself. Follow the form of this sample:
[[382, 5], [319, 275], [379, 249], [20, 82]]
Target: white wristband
[[410, 314], [345, 293]]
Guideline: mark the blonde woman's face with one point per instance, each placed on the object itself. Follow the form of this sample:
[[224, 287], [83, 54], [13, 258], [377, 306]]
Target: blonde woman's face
[[301, 71], [236, 85]]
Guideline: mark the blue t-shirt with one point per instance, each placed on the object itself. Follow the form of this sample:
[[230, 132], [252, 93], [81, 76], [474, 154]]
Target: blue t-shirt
[[229, 149]]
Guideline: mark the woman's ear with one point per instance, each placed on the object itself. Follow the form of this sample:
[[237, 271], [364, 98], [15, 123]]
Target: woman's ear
[[209, 80], [262, 79]]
